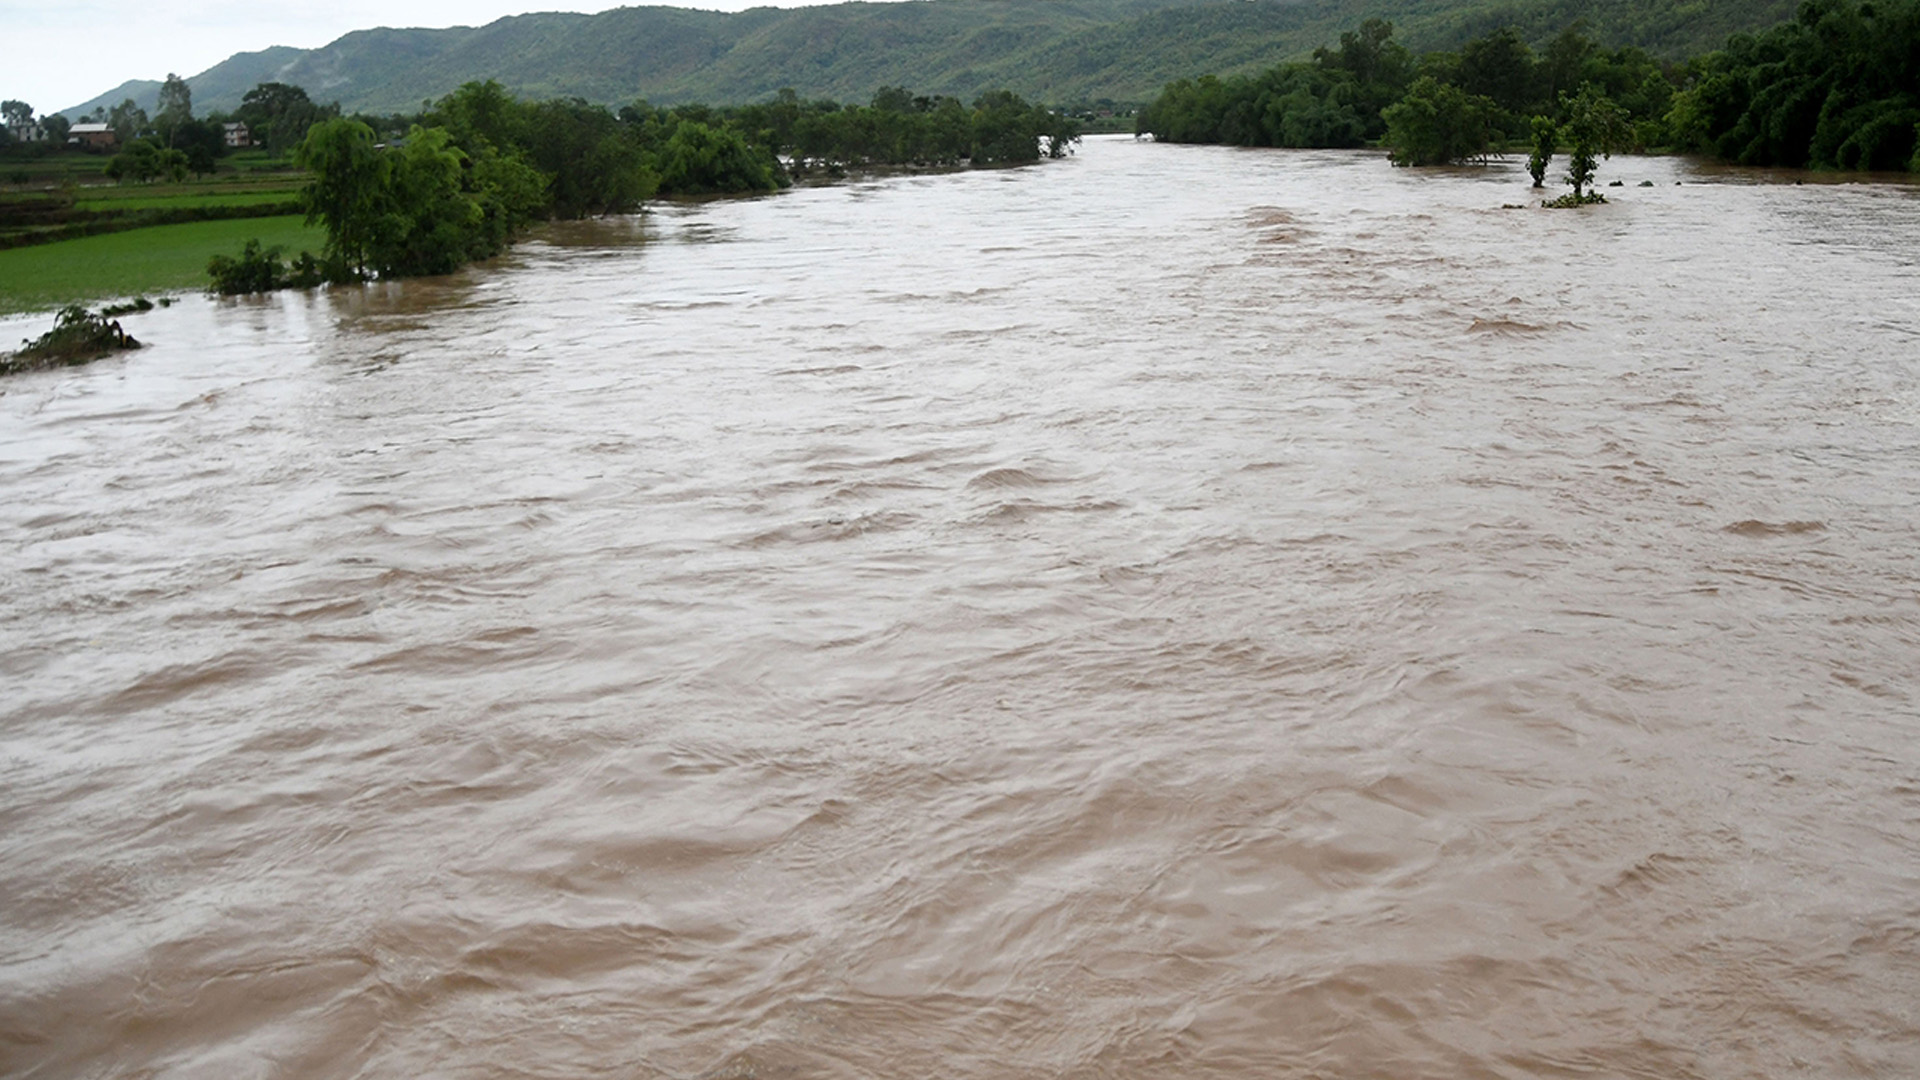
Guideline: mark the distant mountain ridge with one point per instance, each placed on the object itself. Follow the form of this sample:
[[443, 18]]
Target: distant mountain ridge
[[1057, 51]]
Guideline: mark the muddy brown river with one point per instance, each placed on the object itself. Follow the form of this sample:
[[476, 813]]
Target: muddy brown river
[[1176, 612]]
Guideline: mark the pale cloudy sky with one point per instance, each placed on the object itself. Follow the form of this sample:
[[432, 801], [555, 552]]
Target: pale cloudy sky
[[56, 54]]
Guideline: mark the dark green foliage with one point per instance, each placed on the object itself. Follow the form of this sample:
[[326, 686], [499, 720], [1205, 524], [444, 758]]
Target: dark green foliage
[[1545, 135], [1838, 87], [1595, 127], [426, 207], [597, 164], [1054, 51], [699, 159], [1342, 98], [459, 187], [901, 128], [279, 114], [348, 189], [203, 144], [1335, 101], [131, 307], [1438, 124], [253, 271], [145, 159], [1499, 67], [176, 108], [78, 335], [1007, 129], [257, 271], [127, 119]]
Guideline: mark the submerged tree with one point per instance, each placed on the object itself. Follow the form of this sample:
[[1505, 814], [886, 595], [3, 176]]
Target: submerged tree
[[1545, 135], [1438, 124], [1595, 127], [346, 188]]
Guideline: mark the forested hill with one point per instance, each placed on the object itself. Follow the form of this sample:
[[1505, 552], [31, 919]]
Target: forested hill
[[1060, 51]]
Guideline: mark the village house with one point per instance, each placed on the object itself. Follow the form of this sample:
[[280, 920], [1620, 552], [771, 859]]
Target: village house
[[95, 136], [31, 131], [236, 135]]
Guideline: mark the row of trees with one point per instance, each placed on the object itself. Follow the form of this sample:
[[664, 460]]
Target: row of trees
[[1839, 87], [1339, 98], [900, 128], [479, 164]]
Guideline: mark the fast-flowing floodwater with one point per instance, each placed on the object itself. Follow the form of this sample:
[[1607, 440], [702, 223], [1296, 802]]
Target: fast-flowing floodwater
[[1176, 612]]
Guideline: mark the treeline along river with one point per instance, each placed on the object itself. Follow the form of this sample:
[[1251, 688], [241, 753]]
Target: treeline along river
[[1179, 611]]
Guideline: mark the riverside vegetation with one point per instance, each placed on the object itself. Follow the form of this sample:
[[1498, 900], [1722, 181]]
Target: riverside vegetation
[[393, 196], [1086, 56], [480, 164], [1837, 87], [78, 336]]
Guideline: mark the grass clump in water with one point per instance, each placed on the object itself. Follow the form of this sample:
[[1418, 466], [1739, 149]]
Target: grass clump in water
[[78, 336]]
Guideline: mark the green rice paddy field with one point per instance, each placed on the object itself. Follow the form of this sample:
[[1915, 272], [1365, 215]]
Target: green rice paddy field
[[150, 261]]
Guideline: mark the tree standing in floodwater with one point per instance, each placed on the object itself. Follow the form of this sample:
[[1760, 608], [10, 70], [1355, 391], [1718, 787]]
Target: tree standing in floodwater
[[1595, 127]]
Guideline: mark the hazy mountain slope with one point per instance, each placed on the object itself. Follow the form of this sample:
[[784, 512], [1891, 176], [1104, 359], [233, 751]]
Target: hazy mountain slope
[[1054, 50]]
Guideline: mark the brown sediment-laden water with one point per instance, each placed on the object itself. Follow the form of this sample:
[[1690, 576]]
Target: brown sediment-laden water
[[1176, 612]]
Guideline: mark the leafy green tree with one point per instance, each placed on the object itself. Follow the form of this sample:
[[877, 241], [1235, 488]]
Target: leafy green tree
[[701, 159], [1378, 68], [56, 127], [144, 160], [253, 271], [346, 192], [1837, 87], [1499, 67], [127, 120], [16, 113], [595, 164], [176, 107], [893, 99], [1438, 124], [427, 222], [278, 115], [1595, 127], [509, 191], [481, 111], [1545, 135], [268, 101], [1563, 65], [202, 142]]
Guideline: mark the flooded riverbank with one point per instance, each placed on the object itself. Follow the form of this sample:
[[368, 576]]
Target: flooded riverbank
[[1177, 611]]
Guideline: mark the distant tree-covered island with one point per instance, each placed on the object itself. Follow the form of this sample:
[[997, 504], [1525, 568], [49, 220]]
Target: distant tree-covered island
[[1837, 87]]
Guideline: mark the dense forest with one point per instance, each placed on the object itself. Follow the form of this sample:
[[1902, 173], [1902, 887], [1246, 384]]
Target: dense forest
[[1837, 86], [401, 196], [1062, 52]]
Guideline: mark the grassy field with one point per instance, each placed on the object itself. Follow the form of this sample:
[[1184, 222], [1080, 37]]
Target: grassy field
[[135, 199], [162, 258]]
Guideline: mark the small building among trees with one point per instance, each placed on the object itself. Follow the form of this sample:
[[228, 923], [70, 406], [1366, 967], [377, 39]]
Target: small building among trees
[[93, 136], [236, 135]]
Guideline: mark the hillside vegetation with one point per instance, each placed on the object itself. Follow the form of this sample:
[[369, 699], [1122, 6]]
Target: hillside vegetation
[[1058, 51], [1835, 87]]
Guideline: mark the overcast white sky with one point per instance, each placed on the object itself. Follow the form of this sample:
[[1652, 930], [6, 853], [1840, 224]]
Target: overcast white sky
[[56, 54]]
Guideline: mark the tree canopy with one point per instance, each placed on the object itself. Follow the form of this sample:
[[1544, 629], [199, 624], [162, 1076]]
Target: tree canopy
[[1838, 86], [479, 164]]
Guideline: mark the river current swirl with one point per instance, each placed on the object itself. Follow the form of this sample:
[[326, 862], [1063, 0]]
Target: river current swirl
[[1174, 612]]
